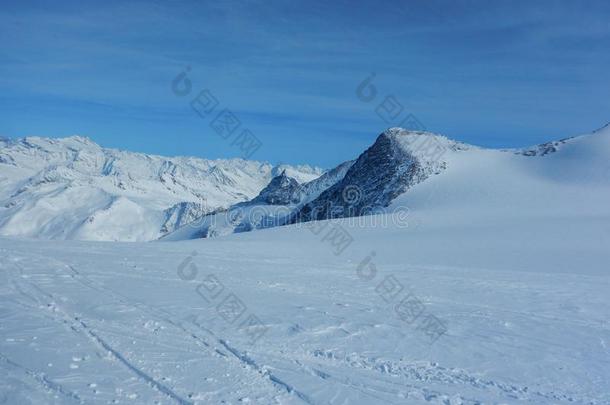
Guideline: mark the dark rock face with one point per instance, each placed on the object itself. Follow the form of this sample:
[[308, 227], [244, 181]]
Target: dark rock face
[[6, 159], [381, 173], [548, 148], [543, 149], [282, 190]]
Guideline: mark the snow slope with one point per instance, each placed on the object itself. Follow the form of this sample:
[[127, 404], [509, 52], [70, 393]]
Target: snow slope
[[492, 290], [428, 173], [524, 302], [499, 187], [74, 189]]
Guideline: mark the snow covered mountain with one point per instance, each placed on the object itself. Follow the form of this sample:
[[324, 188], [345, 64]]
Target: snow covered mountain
[[72, 188], [415, 171], [274, 206], [497, 295], [398, 160]]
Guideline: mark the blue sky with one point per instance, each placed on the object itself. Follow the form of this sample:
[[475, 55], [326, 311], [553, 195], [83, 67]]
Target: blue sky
[[502, 73]]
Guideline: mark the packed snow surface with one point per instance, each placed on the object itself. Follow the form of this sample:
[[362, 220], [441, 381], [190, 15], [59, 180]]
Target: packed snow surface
[[525, 307]]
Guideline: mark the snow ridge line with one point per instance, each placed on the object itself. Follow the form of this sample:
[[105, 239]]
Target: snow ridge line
[[43, 380]]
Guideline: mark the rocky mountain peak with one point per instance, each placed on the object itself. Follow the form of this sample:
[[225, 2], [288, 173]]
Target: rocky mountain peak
[[397, 160], [281, 190]]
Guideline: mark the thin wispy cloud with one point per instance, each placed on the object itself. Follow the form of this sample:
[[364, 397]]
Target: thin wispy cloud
[[506, 74]]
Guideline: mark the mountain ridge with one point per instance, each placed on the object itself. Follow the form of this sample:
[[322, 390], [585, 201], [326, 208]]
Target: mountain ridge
[[44, 185], [72, 188], [397, 162]]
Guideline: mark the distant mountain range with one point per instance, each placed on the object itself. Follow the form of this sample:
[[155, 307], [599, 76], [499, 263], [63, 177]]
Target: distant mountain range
[[74, 189]]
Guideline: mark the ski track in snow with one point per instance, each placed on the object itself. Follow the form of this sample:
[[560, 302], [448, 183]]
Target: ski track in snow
[[42, 380], [77, 323], [166, 317], [374, 379]]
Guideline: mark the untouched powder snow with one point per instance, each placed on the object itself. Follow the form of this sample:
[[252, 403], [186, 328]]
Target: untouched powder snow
[[484, 186]]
